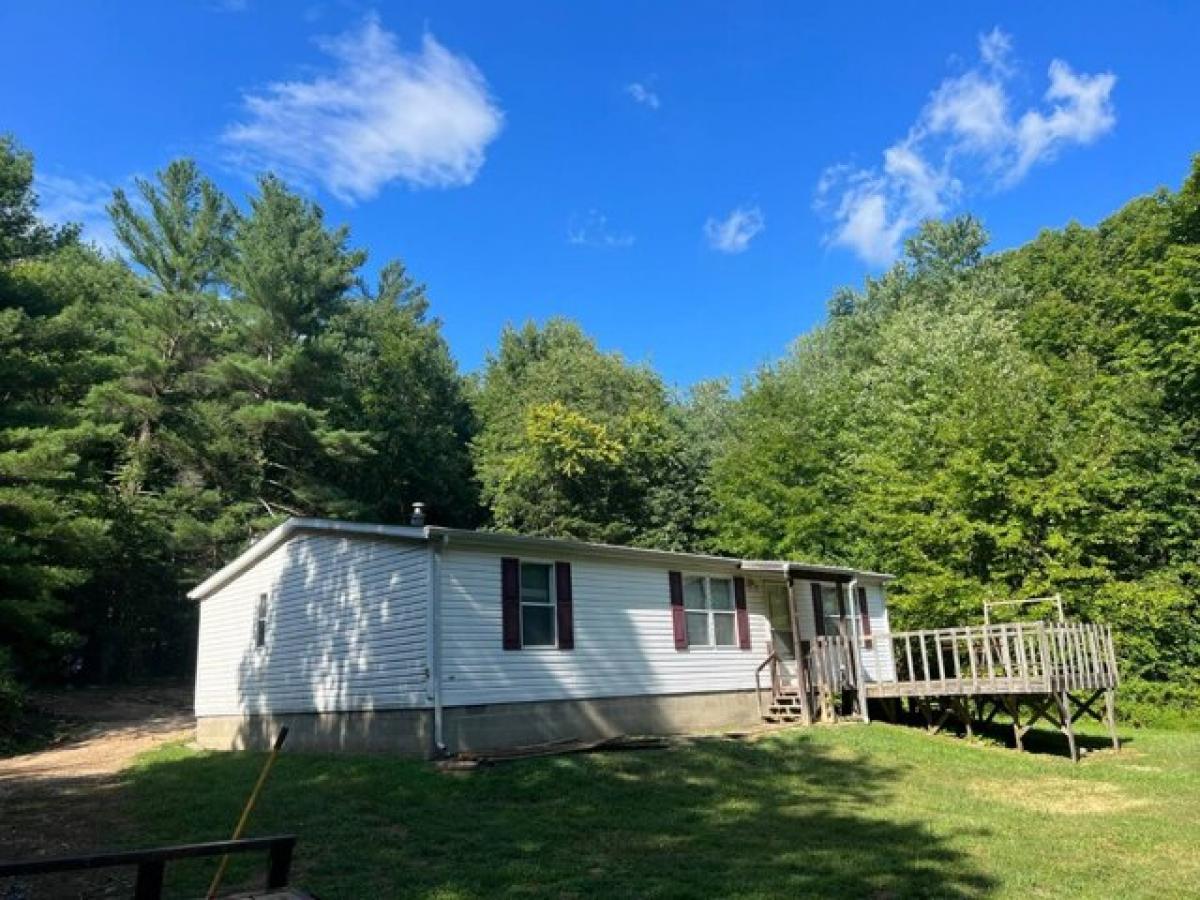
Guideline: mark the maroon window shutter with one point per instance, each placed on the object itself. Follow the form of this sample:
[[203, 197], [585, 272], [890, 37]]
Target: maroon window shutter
[[864, 613], [818, 610], [743, 617], [510, 601], [678, 619], [565, 606]]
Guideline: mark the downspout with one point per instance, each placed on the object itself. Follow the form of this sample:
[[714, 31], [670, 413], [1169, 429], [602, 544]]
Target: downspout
[[436, 546], [859, 673]]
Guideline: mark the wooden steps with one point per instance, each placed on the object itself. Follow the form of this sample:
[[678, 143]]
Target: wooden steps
[[784, 708]]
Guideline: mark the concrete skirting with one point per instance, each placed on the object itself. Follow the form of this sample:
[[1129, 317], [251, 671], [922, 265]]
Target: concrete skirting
[[501, 725], [404, 731], [488, 727]]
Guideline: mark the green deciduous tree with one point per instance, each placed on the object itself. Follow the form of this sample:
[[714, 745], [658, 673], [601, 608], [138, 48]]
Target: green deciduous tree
[[991, 427], [574, 442]]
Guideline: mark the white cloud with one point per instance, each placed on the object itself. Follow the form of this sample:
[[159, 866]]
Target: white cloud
[[995, 47], [966, 133], [593, 230], [643, 94], [734, 233], [379, 115], [81, 201], [1082, 112]]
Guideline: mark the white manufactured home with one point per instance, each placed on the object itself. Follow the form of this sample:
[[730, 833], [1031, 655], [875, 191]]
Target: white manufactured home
[[426, 640]]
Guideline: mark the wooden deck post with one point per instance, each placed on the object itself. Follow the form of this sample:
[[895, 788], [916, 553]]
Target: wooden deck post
[[1110, 715], [802, 682], [1068, 728], [856, 641], [1014, 710]]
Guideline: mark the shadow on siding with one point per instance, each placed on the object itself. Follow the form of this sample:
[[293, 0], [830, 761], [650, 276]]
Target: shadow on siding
[[342, 632], [337, 618]]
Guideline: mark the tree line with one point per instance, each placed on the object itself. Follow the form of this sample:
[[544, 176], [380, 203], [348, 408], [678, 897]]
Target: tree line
[[985, 426]]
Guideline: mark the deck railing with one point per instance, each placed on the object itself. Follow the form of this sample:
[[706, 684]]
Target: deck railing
[[831, 663], [1012, 658]]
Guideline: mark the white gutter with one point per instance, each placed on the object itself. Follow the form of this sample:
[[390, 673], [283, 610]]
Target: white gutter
[[524, 543]]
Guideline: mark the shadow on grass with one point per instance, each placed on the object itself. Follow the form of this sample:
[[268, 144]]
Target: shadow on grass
[[782, 816], [1042, 739]]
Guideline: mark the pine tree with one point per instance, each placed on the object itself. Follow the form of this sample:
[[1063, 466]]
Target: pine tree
[[56, 299], [290, 278]]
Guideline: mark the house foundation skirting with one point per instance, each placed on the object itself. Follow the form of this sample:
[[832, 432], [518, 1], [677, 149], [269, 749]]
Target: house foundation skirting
[[485, 727]]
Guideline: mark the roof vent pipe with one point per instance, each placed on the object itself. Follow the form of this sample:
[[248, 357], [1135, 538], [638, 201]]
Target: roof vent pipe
[[418, 515]]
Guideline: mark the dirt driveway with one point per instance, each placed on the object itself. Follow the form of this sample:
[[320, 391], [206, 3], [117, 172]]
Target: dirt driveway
[[65, 799]]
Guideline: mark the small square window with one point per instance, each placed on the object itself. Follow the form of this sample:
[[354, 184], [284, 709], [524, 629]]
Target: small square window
[[721, 593], [724, 629], [693, 593], [535, 582], [537, 626], [697, 629]]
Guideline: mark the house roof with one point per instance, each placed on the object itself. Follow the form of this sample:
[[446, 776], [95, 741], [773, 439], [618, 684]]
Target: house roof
[[516, 542]]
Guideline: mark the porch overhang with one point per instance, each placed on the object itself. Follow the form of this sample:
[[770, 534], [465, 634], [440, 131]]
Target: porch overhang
[[810, 571]]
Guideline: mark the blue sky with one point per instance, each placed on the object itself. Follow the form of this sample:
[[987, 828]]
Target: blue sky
[[690, 182]]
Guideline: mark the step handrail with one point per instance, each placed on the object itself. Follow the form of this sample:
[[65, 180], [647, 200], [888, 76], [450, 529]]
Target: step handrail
[[773, 661]]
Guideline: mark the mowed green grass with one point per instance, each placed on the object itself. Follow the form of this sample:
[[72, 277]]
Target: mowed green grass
[[853, 811]]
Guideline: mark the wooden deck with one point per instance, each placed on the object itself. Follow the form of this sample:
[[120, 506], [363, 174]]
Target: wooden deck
[[1017, 658], [1032, 671]]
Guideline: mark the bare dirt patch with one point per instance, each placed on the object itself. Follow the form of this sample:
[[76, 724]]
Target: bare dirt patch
[[66, 798]]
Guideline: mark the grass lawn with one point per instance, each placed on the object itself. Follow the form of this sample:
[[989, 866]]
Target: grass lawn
[[853, 811]]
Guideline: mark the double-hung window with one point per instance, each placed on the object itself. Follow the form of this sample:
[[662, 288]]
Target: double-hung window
[[711, 614], [537, 605]]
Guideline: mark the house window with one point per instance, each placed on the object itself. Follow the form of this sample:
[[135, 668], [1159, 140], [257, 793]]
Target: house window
[[711, 616], [831, 610], [260, 622], [780, 615], [537, 605]]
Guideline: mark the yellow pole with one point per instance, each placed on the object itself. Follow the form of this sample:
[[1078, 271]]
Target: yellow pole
[[237, 832]]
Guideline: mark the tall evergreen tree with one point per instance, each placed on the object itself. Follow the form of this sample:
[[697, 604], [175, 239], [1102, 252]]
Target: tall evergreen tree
[[400, 385], [290, 277], [56, 340], [181, 243]]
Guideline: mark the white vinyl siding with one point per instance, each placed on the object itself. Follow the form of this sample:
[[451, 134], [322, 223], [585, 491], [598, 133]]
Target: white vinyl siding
[[345, 629], [878, 663], [624, 642]]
